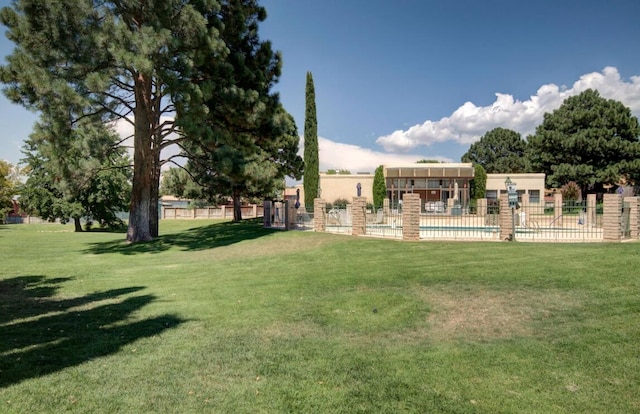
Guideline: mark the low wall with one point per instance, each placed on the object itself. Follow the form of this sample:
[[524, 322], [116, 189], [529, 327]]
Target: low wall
[[222, 212]]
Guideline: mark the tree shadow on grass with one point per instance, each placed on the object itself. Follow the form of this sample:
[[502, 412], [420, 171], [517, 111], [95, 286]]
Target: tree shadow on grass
[[197, 238], [40, 334]]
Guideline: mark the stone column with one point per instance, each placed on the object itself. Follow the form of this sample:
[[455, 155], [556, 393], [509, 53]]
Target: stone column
[[291, 215], [525, 210], [319, 218], [612, 215], [359, 216], [557, 210], [634, 218], [411, 217], [591, 210], [266, 219], [481, 207], [505, 221]]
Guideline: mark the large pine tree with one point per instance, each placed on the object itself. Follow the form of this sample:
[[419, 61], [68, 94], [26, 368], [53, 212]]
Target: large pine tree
[[139, 62], [590, 140], [243, 139], [311, 156]]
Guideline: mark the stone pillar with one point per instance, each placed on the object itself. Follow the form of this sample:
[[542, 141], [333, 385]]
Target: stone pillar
[[359, 216], [411, 217], [481, 207], [591, 210], [612, 217], [266, 219], [385, 206], [319, 218], [525, 210], [290, 215], [557, 210], [505, 221], [634, 216]]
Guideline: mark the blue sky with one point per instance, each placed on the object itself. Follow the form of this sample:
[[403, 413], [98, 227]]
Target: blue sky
[[398, 81]]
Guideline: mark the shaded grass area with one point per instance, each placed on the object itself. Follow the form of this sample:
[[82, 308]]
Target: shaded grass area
[[230, 317], [222, 233]]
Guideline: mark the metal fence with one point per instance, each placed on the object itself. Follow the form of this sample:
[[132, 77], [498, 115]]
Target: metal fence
[[384, 222], [459, 222], [574, 223]]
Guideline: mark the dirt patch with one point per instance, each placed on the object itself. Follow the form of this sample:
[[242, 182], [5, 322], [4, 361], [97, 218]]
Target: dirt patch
[[286, 330], [483, 315]]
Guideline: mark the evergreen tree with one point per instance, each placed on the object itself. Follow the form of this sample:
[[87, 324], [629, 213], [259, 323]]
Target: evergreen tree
[[311, 156], [379, 187], [500, 150], [243, 139], [589, 140], [478, 186], [128, 58]]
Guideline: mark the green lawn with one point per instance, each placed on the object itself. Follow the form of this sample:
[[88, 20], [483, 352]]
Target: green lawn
[[232, 318]]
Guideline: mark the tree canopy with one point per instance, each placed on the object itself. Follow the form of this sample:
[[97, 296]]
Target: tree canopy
[[84, 175], [241, 140], [8, 185], [500, 150], [143, 64], [589, 140]]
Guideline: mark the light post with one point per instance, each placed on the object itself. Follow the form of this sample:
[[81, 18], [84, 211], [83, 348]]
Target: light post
[[512, 195]]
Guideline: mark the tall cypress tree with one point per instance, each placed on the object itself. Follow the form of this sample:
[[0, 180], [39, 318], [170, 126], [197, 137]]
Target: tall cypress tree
[[311, 158]]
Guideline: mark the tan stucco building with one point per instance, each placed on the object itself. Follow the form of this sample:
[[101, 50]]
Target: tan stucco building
[[527, 183], [434, 182]]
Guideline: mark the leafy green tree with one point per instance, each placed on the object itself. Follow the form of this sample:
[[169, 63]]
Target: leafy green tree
[[8, 186], [130, 59], [87, 175], [500, 150], [379, 187], [589, 140], [478, 186], [311, 156], [425, 161]]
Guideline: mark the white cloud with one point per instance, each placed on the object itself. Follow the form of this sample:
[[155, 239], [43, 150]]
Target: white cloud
[[469, 122], [337, 156]]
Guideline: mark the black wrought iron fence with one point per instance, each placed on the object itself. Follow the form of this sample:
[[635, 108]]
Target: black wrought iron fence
[[572, 222], [458, 222], [385, 222]]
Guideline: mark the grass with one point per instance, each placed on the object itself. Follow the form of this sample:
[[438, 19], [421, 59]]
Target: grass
[[223, 317]]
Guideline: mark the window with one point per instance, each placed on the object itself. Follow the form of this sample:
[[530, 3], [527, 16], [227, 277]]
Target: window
[[534, 196], [492, 194]]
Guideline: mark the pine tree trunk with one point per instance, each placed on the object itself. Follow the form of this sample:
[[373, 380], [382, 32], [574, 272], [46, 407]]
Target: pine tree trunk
[[142, 164], [237, 206], [155, 189], [77, 225]]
